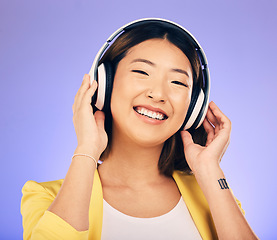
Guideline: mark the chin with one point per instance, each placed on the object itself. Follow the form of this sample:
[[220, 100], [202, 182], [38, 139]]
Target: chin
[[144, 134], [148, 139]]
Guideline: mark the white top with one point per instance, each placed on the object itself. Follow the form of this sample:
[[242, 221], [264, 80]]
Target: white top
[[176, 224]]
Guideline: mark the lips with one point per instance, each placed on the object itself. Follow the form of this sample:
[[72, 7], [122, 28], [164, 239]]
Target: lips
[[151, 112]]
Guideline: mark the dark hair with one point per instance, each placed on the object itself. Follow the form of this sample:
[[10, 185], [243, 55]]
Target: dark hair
[[172, 156]]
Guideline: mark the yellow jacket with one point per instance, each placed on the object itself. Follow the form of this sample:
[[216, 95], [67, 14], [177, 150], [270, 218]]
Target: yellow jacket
[[38, 223]]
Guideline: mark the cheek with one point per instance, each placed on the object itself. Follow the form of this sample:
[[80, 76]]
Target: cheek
[[121, 94], [126, 88], [117, 97], [181, 106]]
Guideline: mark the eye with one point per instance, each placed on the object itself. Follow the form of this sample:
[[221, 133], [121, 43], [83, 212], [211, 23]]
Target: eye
[[180, 83], [140, 72]]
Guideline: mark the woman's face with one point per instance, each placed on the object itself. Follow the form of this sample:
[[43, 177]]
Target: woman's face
[[151, 93]]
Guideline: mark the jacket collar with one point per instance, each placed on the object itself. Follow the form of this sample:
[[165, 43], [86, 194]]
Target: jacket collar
[[190, 191], [96, 209], [196, 204]]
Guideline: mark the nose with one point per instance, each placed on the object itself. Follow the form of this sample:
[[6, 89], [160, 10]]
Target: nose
[[157, 93]]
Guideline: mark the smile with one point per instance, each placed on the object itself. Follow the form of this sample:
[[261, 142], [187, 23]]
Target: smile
[[151, 114]]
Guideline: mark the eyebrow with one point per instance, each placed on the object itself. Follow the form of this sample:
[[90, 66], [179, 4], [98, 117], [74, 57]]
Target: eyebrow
[[178, 70], [144, 61]]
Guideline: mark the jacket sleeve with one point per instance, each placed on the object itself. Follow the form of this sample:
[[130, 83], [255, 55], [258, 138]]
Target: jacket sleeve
[[239, 203], [38, 222]]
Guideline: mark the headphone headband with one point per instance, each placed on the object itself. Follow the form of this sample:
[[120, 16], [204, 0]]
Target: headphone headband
[[118, 32]]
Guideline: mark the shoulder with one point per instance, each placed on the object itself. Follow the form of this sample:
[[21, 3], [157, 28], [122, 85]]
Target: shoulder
[[39, 196], [184, 178], [188, 185], [36, 199], [52, 187]]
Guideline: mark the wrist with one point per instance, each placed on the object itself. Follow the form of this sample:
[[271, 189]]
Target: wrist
[[87, 150], [86, 156], [208, 172]]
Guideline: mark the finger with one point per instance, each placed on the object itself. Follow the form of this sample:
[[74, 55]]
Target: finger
[[187, 138], [221, 138], [100, 119], [89, 93], [222, 119], [210, 131], [212, 118], [85, 87], [80, 92]]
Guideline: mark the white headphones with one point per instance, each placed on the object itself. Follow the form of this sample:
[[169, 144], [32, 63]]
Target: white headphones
[[103, 74]]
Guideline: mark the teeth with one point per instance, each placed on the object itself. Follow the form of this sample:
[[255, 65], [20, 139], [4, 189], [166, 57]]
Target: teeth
[[150, 114]]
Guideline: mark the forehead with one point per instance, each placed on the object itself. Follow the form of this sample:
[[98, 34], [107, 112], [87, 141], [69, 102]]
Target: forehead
[[154, 43], [159, 51]]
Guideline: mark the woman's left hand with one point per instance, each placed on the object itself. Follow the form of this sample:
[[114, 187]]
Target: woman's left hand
[[218, 128]]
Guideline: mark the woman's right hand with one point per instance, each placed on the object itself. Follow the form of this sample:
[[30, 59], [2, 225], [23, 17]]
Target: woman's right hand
[[90, 130]]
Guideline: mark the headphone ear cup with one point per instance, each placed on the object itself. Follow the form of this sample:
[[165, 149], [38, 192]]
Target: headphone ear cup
[[109, 86], [102, 97], [193, 118], [203, 112]]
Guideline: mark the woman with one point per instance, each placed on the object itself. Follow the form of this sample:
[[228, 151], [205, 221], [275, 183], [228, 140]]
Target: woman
[[158, 180]]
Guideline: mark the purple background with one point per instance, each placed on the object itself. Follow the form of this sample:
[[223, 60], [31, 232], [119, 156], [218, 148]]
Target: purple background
[[47, 46]]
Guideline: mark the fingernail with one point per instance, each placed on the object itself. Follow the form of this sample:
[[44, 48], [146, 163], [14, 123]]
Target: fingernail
[[84, 77]]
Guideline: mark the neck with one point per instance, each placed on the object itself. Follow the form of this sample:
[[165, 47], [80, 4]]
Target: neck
[[131, 164]]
